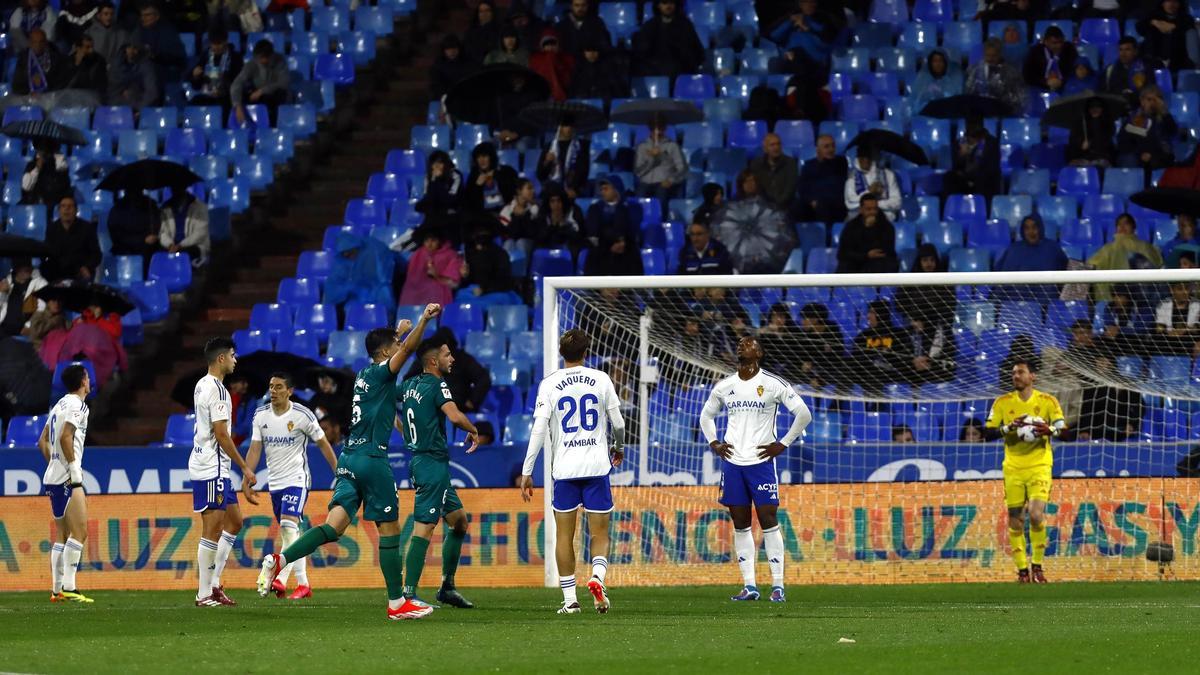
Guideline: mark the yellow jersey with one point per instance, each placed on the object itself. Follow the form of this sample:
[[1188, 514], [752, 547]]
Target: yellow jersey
[[1020, 454]]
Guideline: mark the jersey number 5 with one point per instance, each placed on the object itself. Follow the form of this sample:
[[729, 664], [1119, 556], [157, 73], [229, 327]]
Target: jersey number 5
[[589, 416]]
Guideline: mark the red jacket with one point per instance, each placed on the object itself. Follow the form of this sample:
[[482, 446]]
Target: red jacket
[[557, 68]]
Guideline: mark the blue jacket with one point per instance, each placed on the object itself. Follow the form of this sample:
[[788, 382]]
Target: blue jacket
[[1022, 256], [814, 44], [713, 260]]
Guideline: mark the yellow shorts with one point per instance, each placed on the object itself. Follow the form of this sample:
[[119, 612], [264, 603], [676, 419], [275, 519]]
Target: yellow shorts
[[1025, 485]]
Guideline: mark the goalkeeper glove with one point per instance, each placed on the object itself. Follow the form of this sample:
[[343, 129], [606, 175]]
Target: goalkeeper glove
[[76, 473]]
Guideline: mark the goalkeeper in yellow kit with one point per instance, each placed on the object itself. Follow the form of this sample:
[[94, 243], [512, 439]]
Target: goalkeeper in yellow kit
[[1027, 419]]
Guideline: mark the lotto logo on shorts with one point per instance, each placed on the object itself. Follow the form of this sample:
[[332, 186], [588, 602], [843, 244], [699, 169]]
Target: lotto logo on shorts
[[342, 471]]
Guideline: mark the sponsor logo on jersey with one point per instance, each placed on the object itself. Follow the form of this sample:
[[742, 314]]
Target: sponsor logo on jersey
[[580, 443], [735, 405]]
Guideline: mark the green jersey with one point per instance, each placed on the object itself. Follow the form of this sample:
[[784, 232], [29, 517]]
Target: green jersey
[[424, 422], [373, 411]]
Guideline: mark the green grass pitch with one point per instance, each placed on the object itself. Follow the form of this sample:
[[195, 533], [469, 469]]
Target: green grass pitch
[[1076, 628]]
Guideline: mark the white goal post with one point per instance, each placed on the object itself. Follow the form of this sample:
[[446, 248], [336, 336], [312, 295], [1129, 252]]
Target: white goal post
[[561, 296]]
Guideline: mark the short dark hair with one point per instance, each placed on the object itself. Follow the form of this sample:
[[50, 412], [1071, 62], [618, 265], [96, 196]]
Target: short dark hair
[[285, 376], [868, 197], [106, 4], [72, 376], [376, 339], [1083, 324], [1029, 363], [429, 349], [573, 345], [218, 35], [1053, 32], [264, 48], [214, 348], [1128, 40]]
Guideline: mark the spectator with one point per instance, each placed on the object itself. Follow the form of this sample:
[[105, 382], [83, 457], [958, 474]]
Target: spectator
[[881, 348], [213, 75], [43, 322], [264, 80], [1186, 234], [931, 347], [109, 322], [40, 68], [580, 26], [450, 66], [518, 218], [993, 77], [867, 176], [189, 17], [777, 174], [490, 185], [930, 305], [106, 34], [613, 233], [45, 180], [443, 187], [597, 75], [745, 221], [1033, 251], [868, 243], [820, 349], [484, 33], [971, 432], [555, 66], [1125, 316], [1049, 64], [667, 44], [30, 16], [713, 196], [434, 271], [1165, 32], [822, 184], [938, 78], [806, 37], [331, 404], [1147, 136], [133, 80], [161, 44], [1125, 251], [566, 160], [469, 380], [527, 24], [73, 243], [89, 70], [486, 272], [509, 50], [363, 271], [1091, 139], [242, 407], [703, 254], [781, 341], [133, 225], [185, 227], [74, 19], [1083, 79], [1178, 315], [902, 434], [1130, 71], [560, 224], [659, 165], [17, 300], [506, 126], [976, 167], [1108, 413]]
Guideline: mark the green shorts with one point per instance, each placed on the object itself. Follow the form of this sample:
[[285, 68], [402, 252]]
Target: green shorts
[[367, 482], [434, 496]]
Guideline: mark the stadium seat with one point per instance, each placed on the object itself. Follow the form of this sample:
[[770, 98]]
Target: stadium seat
[[1185, 108], [462, 317], [181, 429], [525, 347], [653, 262], [318, 320], [205, 118], [299, 342], [821, 261], [508, 318], [174, 270], [80, 118], [872, 35], [365, 213], [485, 346], [185, 142], [795, 133], [990, 233], [1099, 32], [859, 108], [359, 45], [276, 145], [747, 135], [299, 118], [386, 187], [335, 68], [209, 167], [870, 427], [137, 144], [346, 347], [944, 235], [1123, 182], [1011, 208], [151, 299], [932, 11], [1103, 208], [1034, 182], [722, 110], [551, 263], [694, 87], [110, 118], [314, 264], [1061, 314], [962, 36], [365, 316], [298, 291], [969, 260], [271, 318], [158, 120], [1078, 181], [27, 221], [966, 210], [405, 162], [1172, 370], [518, 427], [258, 172], [1080, 232], [655, 86], [24, 431], [426, 138]]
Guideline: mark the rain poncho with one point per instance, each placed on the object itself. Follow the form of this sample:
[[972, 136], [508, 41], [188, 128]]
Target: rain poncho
[[362, 271]]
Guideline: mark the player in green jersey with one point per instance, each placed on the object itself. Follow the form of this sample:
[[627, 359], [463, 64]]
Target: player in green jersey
[[426, 404], [364, 476]]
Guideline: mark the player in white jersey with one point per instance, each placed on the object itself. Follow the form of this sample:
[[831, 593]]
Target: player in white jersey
[[571, 405], [209, 469], [61, 444], [284, 428], [751, 398]]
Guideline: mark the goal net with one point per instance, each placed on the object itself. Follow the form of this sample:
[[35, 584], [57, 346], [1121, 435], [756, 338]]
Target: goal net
[[892, 481]]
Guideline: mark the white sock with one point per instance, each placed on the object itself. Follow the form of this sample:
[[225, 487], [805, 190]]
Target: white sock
[[288, 533], [72, 552], [395, 604], [599, 567], [773, 542], [56, 570], [743, 546], [206, 558], [300, 567], [568, 588], [223, 549]]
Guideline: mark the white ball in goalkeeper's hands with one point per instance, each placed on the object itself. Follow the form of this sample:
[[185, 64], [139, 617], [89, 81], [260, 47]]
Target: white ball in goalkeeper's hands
[[1028, 430]]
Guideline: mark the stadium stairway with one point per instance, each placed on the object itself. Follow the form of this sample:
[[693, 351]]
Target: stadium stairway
[[287, 224]]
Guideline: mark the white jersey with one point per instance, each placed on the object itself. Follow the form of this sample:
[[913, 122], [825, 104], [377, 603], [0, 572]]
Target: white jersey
[[69, 409], [751, 406], [285, 443], [575, 402], [212, 405]]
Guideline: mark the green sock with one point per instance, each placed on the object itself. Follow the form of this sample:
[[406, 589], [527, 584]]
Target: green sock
[[392, 565], [451, 551], [417, 547], [311, 540]]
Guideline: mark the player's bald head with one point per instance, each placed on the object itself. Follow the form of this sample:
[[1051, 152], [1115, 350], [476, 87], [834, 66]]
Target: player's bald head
[[573, 345]]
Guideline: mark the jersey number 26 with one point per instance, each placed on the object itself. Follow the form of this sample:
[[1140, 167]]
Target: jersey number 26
[[589, 415]]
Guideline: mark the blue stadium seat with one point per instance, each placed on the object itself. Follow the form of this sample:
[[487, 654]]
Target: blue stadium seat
[[723, 110], [1078, 180], [821, 261], [346, 347], [335, 68], [405, 162], [330, 19], [854, 62], [754, 61], [186, 142], [654, 262], [181, 429], [870, 427], [174, 270], [158, 120], [1185, 108], [297, 291], [386, 187], [258, 172], [872, 35], [1188, 80], [1061, 314], [859, 108], [737, 86], [944, 235], [27, 221], [301, 343], [1171, 369], [112, 118], [205, 118], [655, 86], [314, 264], [1034, 182], [969, 260], [1080, 232], [932, 11], [931, 134], [1100, 32], [151, 299], [694, 87], [747, 134], [525, 347], [826, 427], [989, 234], [1012, 208], [365, 213], [519, 427], [137, 144], [462, 317], [1103, 208], [1123, 182], [299, 118], [121, 270], [24, 431], [485, 346], [318, 320], [966, 209], [469, 135], [271, 318], [79, 118], [795, 134], [379, 20], [551, 263], [962, 36], [508, 318], [365, 316], [275, 145], [430, 137], [229, 143]]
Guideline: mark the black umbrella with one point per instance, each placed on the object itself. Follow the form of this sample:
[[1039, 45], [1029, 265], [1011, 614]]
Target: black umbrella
[[111, 299], [310, 379], [483, 96], [257, 367], [643, 112], [549, 115], [891, 142], [1171, 201], [149, 174], [965, 105], [96, 169], [77, 297], [12, 246], [1071, 110], [184, 391], [45, 131]]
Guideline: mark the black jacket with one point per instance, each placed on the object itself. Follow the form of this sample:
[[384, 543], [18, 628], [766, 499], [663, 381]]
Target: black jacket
[[857, 239], [56, 76], [590, 31], [668, 48], [71, 249], [490, 267]]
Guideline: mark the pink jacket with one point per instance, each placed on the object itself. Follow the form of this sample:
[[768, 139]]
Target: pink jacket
[[420, 288]]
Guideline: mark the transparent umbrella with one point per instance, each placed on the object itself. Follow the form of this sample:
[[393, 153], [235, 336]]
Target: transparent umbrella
[[757, 235]]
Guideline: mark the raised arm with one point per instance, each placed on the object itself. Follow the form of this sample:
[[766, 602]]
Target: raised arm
[[409, 344]]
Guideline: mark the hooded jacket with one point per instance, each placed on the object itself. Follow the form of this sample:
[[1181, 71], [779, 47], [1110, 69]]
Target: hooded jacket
[[665, 47], [1023, 256], [930, 304], [494, 194], [928, 88]]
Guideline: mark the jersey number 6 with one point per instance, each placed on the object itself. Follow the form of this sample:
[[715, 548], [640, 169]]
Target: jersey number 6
[[589, 416]]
